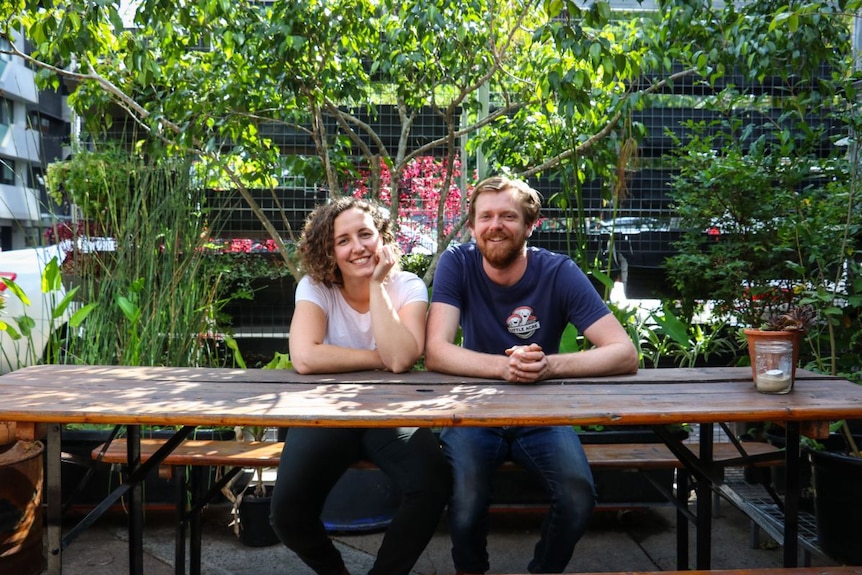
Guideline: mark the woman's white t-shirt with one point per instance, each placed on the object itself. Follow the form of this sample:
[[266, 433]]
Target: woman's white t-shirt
[[346, 327]]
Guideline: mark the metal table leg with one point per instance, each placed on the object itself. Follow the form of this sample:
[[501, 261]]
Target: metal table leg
[[704, 501], [54, 500], [791, 495], [135, 503]]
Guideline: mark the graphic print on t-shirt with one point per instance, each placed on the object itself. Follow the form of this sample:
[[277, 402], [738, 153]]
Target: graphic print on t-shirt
[[522, 322]]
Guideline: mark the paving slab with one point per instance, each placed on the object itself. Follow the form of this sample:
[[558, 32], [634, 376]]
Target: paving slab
[[628, 540]]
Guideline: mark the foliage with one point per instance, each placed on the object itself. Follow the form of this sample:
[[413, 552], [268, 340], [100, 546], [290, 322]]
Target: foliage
[[280, 361], [239, 270], [426, 210], [686, 344], [664, 338], [773, 228], [89, 178], [151, 296], [737, 208], [20, 329], [799, 318], [213, 79], [830, 274], [415, 263]]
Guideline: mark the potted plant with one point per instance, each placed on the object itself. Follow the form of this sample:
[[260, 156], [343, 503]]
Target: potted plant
[[252, 502], [21, 481], [789, 325], [836, 469]]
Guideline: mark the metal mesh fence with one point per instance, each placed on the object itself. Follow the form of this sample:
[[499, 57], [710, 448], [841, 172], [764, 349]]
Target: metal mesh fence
[[633, 240]]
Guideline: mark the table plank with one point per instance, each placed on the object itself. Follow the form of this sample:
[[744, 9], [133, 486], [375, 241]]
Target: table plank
[[53, 373], [199, 396]]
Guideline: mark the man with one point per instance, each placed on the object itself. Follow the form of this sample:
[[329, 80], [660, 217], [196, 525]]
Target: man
[[513, 303]]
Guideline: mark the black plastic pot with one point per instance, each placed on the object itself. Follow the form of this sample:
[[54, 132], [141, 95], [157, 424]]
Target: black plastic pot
[[838, 503], [778, 475], [254, 527]]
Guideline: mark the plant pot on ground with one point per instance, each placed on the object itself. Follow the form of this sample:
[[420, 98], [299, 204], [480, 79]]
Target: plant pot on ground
[[21, 481], [252, 498], [252, 516], [837, 479]]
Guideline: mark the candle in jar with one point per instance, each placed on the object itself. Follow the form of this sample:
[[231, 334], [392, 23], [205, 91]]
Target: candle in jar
[[773, 380]]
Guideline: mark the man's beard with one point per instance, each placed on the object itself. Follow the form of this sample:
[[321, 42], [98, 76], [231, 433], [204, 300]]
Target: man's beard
[[500, 255]]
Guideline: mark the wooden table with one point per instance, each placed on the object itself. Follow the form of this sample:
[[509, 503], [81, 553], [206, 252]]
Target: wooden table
[[134, 396]]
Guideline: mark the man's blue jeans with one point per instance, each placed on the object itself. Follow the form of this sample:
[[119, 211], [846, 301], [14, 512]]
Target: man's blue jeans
[[553, 455]]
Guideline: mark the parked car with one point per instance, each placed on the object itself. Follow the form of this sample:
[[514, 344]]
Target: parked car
[[24, 267]]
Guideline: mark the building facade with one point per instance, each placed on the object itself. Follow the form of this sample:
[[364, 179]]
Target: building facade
[[34, 131]]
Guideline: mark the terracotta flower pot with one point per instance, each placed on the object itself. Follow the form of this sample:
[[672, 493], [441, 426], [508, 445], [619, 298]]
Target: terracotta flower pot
[[753, 335]]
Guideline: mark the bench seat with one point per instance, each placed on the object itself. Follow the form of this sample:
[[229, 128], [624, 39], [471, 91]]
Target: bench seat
[[621, 456]]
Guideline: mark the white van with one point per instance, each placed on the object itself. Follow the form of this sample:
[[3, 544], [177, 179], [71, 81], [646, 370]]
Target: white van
[[25, 267]]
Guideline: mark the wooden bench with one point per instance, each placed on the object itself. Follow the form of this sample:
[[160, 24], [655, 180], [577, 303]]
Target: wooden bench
[[621, 456], [199, 455]]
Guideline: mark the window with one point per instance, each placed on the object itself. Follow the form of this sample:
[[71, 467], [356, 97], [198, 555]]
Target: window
[[7, 171], [5, 111], [4, 47]]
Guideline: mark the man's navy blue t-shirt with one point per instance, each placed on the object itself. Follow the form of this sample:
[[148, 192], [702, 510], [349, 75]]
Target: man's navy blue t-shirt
[[553, 293]]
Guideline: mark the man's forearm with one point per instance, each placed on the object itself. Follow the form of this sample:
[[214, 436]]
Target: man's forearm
[[611, 359], [454, 359]]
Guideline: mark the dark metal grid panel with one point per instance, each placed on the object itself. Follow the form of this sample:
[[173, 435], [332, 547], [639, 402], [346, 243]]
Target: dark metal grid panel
[[286, 209], [268, 313], [642, 229], [766, 514]]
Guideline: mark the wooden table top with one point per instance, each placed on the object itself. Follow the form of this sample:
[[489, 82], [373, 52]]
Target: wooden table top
[[203, 396]]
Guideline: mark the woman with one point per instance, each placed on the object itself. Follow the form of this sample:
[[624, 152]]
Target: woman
[[356, 310]]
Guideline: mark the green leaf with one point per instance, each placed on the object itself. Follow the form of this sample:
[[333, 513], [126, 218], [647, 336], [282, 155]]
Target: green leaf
[[604, 278], [237, 354], [779, 19], [51, 276], [671, 325], [553, 8], [279, 361], [793, 22], [129, 309], [26, 324], [63, 305], [80, 315], [11, 331], [569, 342], [17, 290]]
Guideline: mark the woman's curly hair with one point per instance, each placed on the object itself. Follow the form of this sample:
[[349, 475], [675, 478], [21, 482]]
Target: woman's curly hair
[[317, 244]]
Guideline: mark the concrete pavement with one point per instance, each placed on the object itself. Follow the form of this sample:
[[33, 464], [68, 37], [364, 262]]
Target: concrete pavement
[[632, 540]]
